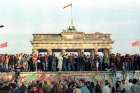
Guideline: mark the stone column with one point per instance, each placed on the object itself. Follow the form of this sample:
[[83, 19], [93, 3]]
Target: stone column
[[49, 51], [63, 51], [109, 51], [80, 51], [96, 51], [106, 56], [92, 52], [35, 51]]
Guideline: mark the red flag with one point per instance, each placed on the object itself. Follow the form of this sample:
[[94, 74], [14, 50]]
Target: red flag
[[3, 45], [136, 43]]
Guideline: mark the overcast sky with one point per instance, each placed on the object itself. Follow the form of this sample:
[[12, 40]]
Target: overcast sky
[[22, 18]]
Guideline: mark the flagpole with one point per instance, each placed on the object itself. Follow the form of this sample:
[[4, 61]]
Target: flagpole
[[71, 16], [71, 26]]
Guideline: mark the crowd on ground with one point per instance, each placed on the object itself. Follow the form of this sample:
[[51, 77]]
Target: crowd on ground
[[76, 86], [68, 62]]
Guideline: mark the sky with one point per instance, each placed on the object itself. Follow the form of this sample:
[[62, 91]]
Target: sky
[[22, 18]]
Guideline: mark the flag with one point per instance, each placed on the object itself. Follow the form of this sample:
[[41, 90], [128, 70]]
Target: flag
[[69, 5], [3, 45], [136, 43]]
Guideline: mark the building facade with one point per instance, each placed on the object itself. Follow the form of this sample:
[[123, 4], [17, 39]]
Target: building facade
[[73, 41]]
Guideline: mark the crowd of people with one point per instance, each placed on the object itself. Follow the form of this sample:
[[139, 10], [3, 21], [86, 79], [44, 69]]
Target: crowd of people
[[68, 62], [76, 86]]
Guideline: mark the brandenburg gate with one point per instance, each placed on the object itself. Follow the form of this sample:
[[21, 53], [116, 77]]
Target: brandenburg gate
[[73, 41]]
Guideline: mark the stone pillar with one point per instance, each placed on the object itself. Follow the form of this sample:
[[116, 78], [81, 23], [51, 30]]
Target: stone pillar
[[80, 51], [96, 51], [106, 56], [35, 51], [92, 52], [49, 51], [109, 51], [63, 51]]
